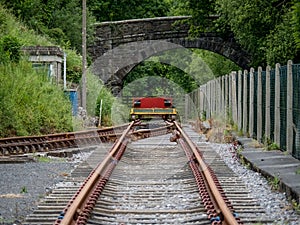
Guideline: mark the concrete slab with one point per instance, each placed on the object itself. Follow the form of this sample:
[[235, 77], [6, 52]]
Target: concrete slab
[[273, 164]]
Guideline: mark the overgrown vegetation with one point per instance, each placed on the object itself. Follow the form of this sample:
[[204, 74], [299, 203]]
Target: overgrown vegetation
[[97, 92], [14, 35], [30, 104], [56, 20]]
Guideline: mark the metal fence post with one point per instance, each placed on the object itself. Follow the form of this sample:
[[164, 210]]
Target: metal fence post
[[218, 90], [186, 108], [208, 112], [213, 97]]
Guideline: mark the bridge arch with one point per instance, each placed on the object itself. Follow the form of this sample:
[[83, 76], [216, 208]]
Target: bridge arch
[[119, 46]]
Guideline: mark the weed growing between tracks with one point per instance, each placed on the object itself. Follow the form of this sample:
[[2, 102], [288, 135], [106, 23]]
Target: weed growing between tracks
[[274, 183], [296, 206]]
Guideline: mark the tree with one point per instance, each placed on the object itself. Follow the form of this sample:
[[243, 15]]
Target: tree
[[157, 69], [280, 43], [251, 22], [9, 49], [58, 19], [217, 63], [259, 27], [112, 10], [200, 10], [296, 22]]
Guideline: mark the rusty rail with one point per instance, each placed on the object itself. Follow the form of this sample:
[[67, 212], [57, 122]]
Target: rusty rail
[[75, 209], [44, 143], [146, 133], [220, 205], [31, 144]]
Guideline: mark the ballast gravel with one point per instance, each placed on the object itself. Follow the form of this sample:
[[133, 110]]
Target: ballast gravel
[[23, 185], [274, 202]]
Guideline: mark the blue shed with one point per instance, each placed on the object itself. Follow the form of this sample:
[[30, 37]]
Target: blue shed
[[74, 100]]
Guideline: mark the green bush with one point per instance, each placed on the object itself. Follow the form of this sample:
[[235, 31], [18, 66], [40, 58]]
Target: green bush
[[96, 91], [107, 102], [9, 49], [30, 104], [74, 69]]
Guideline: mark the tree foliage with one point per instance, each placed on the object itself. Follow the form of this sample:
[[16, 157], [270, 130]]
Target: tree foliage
[[218, 64], [9, 49], [156, 69], [186, 71], [296, 22], [251, 23], [60, 20], [263, 28], [280, 43], [111, 10]]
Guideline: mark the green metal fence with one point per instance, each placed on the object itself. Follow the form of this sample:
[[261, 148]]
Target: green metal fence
[[265, 104], [296, 110]]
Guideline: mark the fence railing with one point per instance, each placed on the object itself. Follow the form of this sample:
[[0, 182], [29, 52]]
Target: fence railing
[[264, 104]]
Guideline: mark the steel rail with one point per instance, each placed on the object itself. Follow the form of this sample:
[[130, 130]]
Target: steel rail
[[44, 143], [229, 218], [75, 208], [146, 133], [27, 144]]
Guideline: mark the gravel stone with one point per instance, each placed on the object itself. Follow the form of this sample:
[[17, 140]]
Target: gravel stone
[[24, 185], [275, 203]]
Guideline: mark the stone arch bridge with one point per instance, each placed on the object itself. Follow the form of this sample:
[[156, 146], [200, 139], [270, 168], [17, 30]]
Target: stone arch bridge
[[119, 46]]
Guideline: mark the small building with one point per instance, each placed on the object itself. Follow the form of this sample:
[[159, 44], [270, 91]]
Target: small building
[[50, 57]]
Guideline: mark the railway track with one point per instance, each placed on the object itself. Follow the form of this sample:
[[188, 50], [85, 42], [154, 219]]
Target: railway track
[[44, 143], [151, 181]]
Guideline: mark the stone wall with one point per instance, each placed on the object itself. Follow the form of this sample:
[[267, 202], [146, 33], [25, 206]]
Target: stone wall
[[109, 35], [119, 46]]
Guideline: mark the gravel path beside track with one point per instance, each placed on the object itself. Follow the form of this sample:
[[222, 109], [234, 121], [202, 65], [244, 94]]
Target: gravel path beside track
[[23, 185], [274, 202]]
